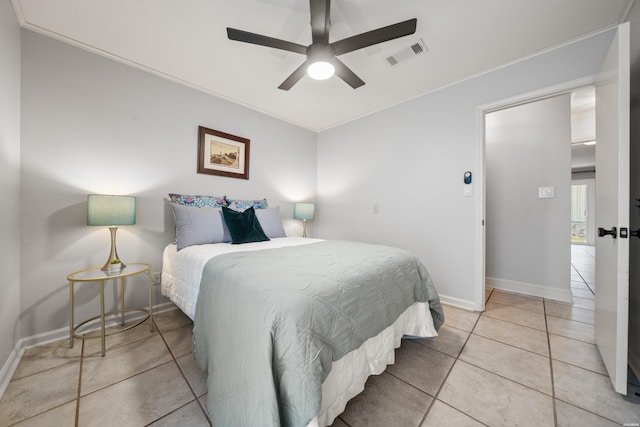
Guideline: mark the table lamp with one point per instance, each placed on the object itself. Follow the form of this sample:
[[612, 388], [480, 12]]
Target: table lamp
[[111, 211], [305, 212]]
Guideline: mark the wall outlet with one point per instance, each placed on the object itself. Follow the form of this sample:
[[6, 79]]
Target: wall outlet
[[155, 277]]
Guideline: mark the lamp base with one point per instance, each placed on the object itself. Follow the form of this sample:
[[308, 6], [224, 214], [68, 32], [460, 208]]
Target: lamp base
[[114, 252], [304, 228]]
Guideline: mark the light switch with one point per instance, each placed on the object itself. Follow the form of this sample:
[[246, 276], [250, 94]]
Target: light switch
[[547, 192]]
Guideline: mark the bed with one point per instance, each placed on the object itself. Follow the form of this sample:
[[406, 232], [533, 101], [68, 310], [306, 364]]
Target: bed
[[290, 328]]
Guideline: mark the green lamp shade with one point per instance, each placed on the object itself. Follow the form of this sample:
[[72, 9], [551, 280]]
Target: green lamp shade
[[304, 211], [111, 210]]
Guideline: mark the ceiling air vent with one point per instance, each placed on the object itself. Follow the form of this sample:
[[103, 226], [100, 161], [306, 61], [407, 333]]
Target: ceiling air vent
[[408, 52]]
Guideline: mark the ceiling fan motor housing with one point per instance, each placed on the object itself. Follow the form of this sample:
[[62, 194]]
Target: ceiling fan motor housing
[[321, 52]]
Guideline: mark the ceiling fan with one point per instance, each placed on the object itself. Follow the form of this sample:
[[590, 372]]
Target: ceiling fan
[[322, 59]]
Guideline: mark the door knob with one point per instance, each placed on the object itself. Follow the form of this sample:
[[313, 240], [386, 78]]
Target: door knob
[[603, 232], [635, 233]]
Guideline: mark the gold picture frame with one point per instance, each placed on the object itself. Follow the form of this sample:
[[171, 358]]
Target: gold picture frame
[[222, 154]]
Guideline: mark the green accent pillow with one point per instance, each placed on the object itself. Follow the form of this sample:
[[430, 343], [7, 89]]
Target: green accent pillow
[[243, 226]]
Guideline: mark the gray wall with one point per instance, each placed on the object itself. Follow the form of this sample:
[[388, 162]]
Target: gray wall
[[91, 125], [409, 161], [9, 181], [527, 237]]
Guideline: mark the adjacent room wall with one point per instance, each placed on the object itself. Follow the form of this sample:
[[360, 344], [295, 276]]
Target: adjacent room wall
[[9, 184], [528, 147], [396, 177], [92, 125]]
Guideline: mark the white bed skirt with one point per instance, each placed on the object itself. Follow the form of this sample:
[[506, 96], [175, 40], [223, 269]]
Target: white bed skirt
[[349, 374]]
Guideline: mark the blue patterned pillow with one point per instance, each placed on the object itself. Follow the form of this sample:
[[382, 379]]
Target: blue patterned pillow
[[241, 205], [198, 201]]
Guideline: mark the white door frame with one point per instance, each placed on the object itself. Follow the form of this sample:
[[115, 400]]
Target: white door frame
[[481, 111]]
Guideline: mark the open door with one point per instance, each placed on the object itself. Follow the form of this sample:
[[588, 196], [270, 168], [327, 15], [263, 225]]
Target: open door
[[612, 209]]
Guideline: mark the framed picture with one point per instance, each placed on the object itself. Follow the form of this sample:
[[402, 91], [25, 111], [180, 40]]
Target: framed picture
[[222, 154]]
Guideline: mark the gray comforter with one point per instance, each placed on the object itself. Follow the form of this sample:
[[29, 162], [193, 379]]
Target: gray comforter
[[269, 323]]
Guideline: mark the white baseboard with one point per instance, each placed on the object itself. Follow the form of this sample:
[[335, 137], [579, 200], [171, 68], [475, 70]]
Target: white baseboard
[[110, 320], [10, 366], [460, 303], [557, 294]]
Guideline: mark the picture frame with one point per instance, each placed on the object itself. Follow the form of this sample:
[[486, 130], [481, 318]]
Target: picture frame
[[222, 154]]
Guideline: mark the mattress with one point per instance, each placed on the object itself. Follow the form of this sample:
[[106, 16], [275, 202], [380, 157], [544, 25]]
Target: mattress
[[182, 270]]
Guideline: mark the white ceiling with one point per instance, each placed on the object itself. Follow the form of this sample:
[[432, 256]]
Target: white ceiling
[[186, 41]]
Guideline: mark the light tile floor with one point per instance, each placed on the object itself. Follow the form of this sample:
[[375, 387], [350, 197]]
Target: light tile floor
[[525, 361]]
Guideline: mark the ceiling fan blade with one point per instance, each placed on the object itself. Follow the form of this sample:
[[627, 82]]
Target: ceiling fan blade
[[253, 38], [347, 75], [294, 77], [380, 35], [320, 17]]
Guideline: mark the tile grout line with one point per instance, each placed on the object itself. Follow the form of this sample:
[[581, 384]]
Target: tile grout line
[[571, 338], [501, 376], [587, 410], [457, 357], [553, 383], [437, 393], [580, 367], [583, 279], [105, 386], [511, 345], [197, 399], [77, 415], [125, 379], [573, 320], [515, 304], [435, 396], [506, 378], [167, 414], [570, 364]]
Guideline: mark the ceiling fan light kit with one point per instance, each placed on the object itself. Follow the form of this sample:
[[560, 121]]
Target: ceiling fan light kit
[[322, 61], [321, 70]]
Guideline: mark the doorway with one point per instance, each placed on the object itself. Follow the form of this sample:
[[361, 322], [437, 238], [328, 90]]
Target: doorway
[[580, 169], [528, 193], [612, 201]]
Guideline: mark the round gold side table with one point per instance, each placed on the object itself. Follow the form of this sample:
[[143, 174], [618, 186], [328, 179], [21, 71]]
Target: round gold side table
[[95, 274]]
